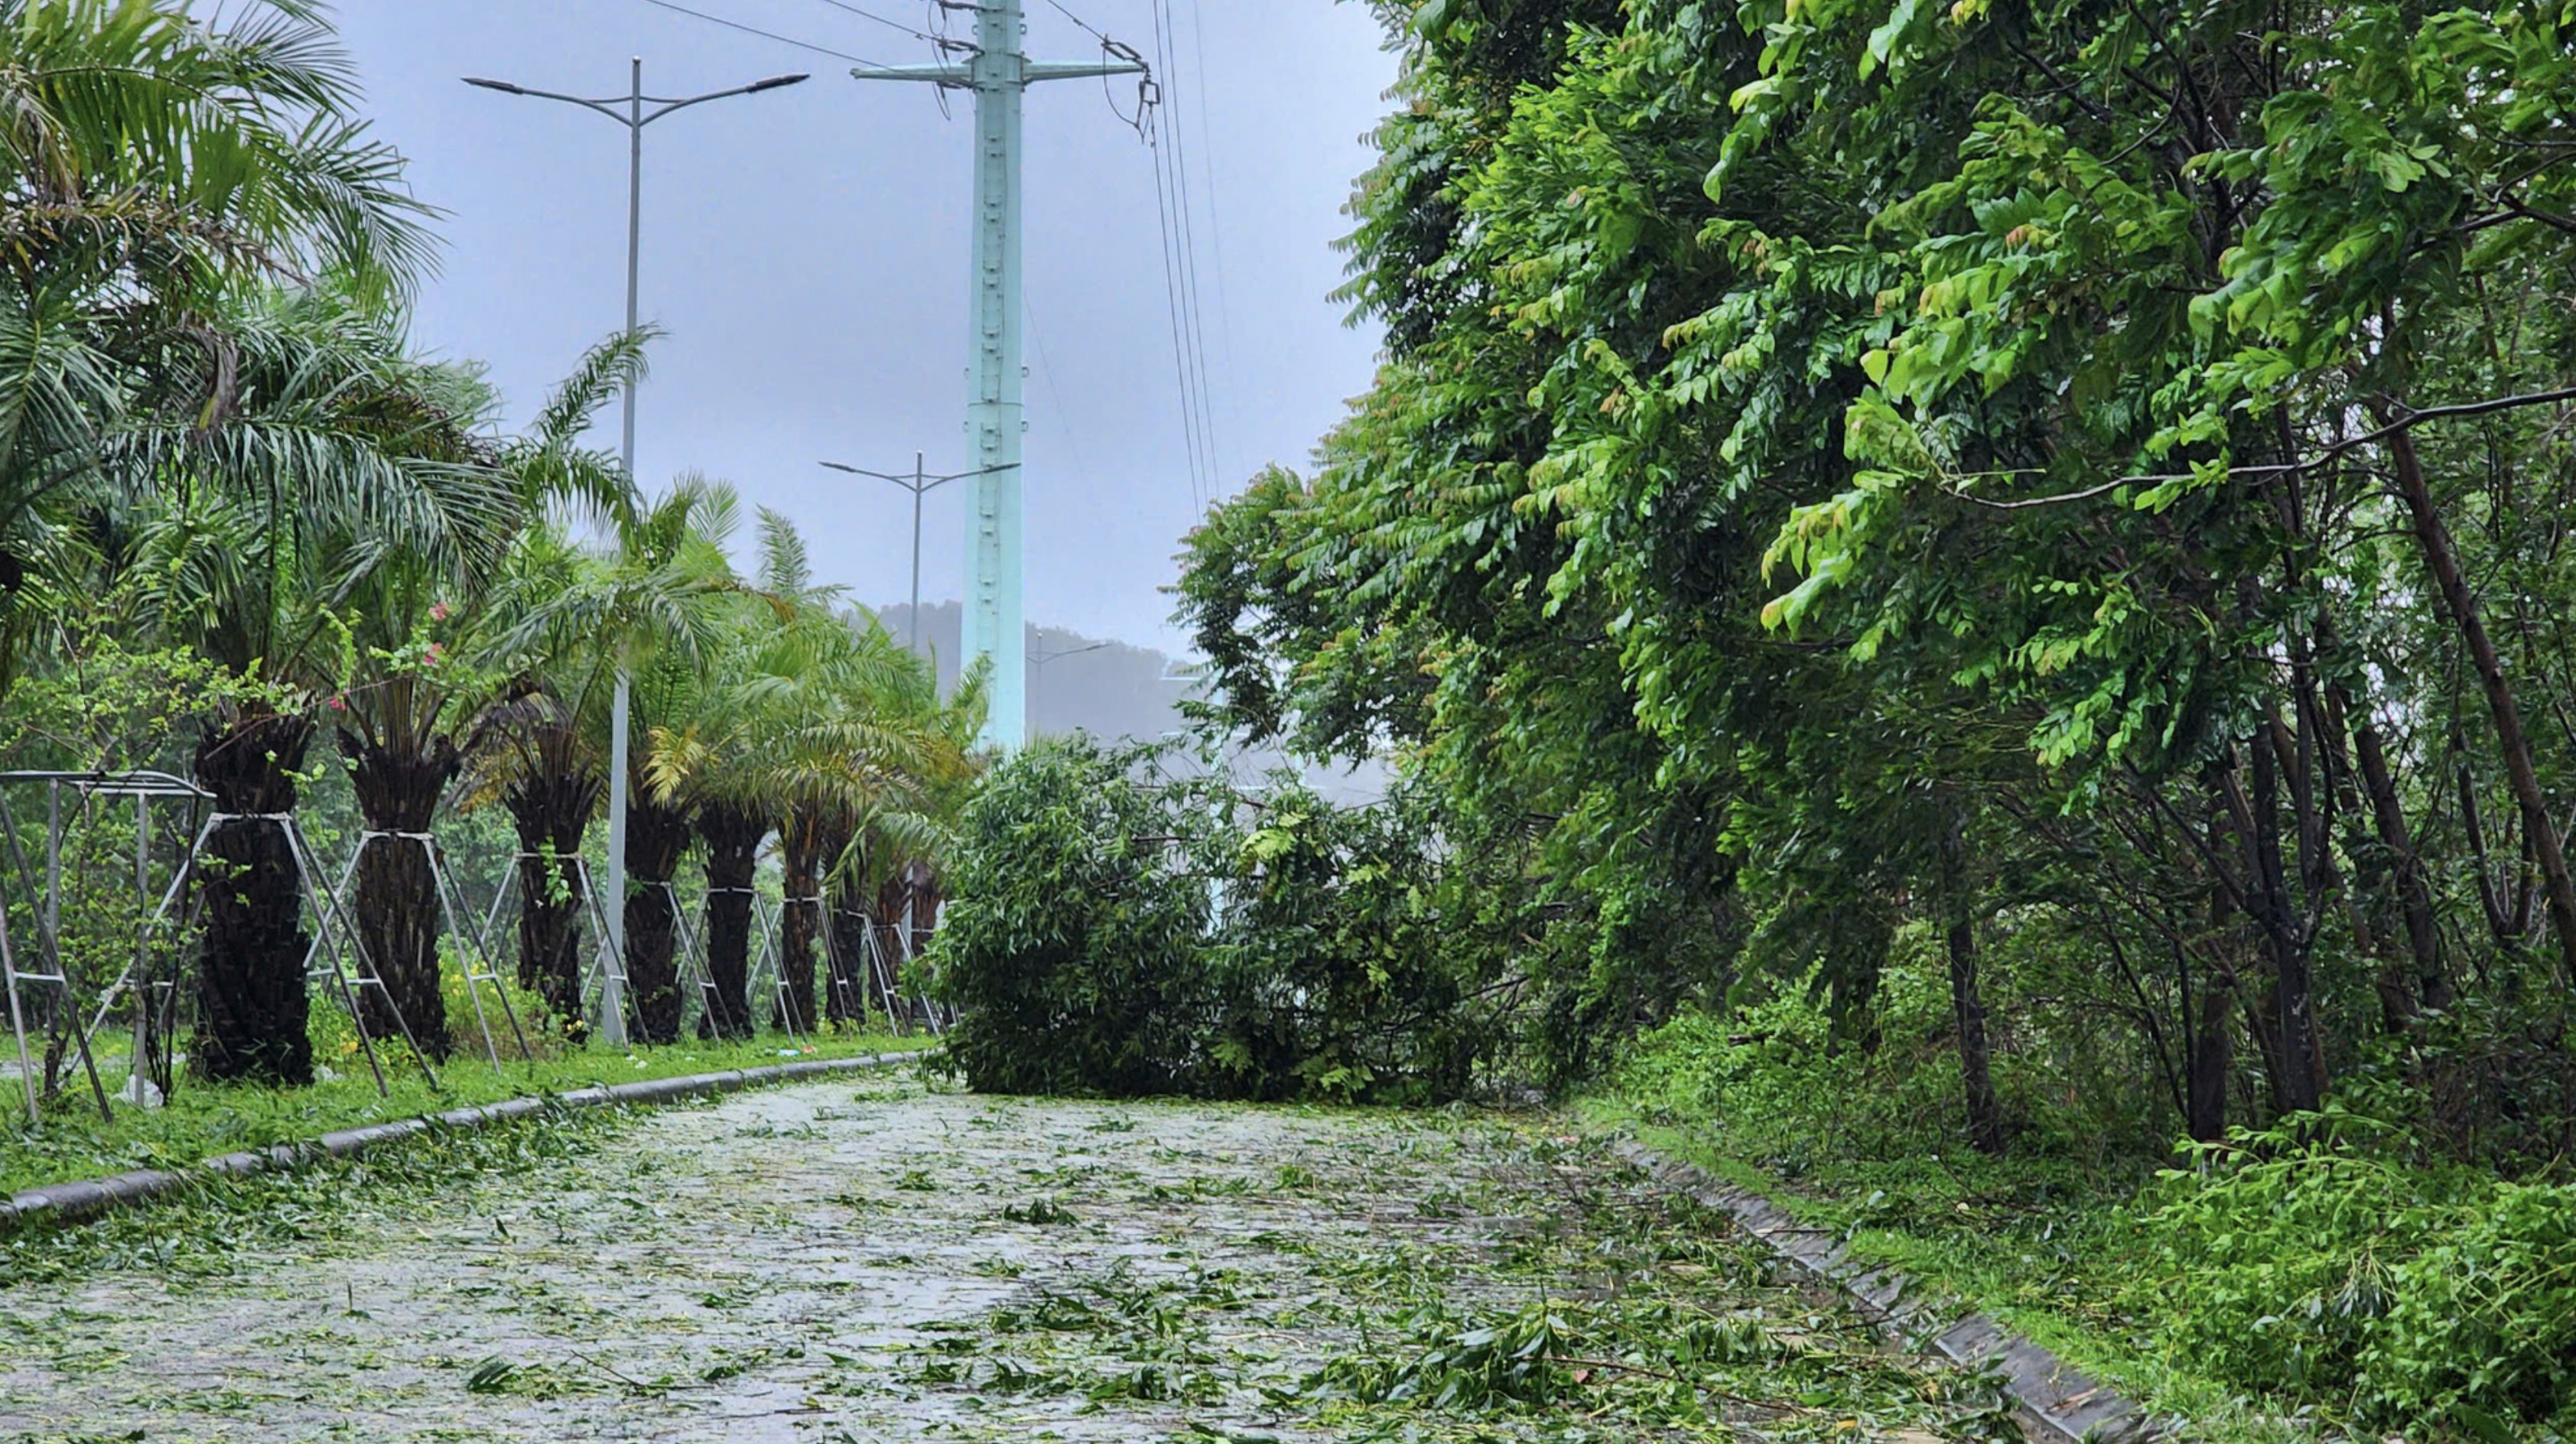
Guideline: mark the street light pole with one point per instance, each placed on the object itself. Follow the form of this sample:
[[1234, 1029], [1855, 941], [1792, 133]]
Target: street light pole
[[634, 117], [920, 485], [1038, 661]]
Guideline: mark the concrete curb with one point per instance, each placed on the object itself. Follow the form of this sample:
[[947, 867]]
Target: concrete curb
[[88, 1198], [2058, 1403]]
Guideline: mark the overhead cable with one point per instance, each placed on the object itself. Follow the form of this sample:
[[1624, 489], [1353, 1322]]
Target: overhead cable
[[766, 34], [847, 8], [1193, 309]]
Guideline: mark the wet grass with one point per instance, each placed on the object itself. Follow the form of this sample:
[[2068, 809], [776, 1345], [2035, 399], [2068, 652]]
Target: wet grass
[[204, 1120]]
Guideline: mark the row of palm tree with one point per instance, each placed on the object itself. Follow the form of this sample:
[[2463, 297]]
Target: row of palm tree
[[210, 413]]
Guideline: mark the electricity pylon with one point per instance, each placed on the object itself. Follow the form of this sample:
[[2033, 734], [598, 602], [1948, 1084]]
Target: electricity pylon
[[1000, 72]]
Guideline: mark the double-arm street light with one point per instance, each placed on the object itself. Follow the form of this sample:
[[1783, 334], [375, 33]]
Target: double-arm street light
[[920, 484], [633, 110]]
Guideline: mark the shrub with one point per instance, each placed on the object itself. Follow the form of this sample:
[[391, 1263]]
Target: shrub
[[2276, 1253], [1117, 936], [2322, 1259], [1075, 946], [2484, 1318]]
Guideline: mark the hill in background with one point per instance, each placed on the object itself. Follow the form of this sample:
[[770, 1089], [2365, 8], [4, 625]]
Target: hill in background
[[1110, 689]]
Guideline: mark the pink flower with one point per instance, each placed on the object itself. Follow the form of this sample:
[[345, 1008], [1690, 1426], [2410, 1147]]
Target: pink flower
[[339, 704], [436, 653], [438, 612]]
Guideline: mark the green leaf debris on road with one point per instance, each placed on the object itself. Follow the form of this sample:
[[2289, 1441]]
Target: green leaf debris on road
[[770, 1268]]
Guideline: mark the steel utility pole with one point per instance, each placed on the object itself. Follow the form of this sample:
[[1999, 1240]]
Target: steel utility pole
[[920, 484], [999, 72], [629, 111]]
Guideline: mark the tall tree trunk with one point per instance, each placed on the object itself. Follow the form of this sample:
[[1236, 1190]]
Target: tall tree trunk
[[732, 835], [2433, 538], [656, 835], [2213, 1039], [1985, 1115], [2297, 1064], [800, 920], [552, 807], [397, 905], [252, 1008], [2212, 1056], [2414, 893]]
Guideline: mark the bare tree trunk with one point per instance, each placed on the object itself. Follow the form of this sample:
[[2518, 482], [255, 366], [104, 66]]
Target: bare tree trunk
[[251, 1002], [1985, 1115], [2433, 538], [2414, 893], [2298, 1070]]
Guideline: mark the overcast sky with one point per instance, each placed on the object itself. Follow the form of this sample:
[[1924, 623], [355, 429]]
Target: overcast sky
[[806, 249]]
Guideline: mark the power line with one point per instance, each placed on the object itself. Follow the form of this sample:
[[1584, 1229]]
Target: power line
[[1078, 20], [1192, 307], [842, 5], [1216, 225], [766, 34], [1180, 349]]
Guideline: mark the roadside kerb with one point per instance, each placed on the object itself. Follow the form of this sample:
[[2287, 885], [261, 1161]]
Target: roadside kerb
[[2064, 1405], [87, 1198]]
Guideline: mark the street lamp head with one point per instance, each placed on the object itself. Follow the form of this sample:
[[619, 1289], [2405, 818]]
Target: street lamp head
[[777, 82], [838, 466], [503, 86]]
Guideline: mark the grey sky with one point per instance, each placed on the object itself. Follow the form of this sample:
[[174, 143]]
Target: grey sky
[[806, 251]]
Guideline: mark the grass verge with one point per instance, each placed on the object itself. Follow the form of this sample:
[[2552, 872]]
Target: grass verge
[[2034, 1255], [204, 1120]]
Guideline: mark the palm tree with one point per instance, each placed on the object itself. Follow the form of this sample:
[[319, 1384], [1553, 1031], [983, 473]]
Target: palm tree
[[659, 603], [716, 760], [152, 165], [337, 459], [794, 732], [419, 680], [158, 172]]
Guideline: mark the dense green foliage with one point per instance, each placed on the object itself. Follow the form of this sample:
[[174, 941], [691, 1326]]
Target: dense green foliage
[[2045, 512], [1121, 931]]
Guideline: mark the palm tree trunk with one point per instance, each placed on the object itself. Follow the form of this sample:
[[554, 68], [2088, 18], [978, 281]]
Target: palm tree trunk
[[252, 1008], [552, 810], [844, 1004], [800, 923], [656, 835], [732, 835], [849, 954], [397, 908]]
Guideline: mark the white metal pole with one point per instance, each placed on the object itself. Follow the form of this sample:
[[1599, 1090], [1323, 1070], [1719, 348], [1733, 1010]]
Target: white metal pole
[[920, 484], [612, 1026]]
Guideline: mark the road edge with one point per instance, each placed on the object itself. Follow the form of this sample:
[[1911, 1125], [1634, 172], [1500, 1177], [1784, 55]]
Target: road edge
[[2067, 1405], [85, 1199]]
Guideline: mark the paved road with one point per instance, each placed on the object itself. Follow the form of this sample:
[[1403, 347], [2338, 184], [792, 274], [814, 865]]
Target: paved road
[[877, 1261]]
